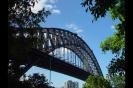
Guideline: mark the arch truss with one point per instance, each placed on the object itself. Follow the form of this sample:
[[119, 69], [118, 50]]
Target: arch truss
[[67, 46]]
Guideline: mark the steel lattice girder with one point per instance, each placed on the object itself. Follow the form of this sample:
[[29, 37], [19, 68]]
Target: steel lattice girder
[[49, 39]]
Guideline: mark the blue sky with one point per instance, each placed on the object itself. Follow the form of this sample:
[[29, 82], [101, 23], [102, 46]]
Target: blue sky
[[70, 15]]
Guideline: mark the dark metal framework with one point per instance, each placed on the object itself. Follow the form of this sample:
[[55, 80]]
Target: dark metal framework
[[50, 39]]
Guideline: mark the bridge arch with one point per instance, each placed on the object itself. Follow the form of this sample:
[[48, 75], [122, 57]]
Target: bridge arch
[[57, 38], [50, 39], [69, 56]]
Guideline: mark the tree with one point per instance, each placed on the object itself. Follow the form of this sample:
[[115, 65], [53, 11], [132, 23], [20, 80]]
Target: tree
[[115, 43], [99, 8], [37, 81], [116, 8], [32, 81], [117, 66], [117, 81], [96, 82], [116, 72], [21, 15]]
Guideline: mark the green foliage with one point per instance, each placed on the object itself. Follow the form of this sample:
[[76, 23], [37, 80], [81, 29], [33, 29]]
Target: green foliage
[[117, 66], [114, 43], [116, 71], [118, 10], [117, 81], [20, 14], [35, 81], [96, 82], [32, 81], [99, 8]]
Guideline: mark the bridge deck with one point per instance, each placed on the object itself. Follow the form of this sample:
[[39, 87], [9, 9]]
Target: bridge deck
[[59, 65]]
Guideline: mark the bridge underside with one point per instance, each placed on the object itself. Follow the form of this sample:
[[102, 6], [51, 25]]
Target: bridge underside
[[40, 59], [58, 65]]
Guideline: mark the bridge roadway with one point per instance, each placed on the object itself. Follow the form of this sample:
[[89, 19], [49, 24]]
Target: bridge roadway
[[40, 59]]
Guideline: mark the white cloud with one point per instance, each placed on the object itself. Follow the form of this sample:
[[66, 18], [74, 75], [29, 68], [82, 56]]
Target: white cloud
[[52, 1], [48, 7], [38, 6], [56, 11], [112, 27], [47, 4], [74, 27], [79, 31], [69, 26]]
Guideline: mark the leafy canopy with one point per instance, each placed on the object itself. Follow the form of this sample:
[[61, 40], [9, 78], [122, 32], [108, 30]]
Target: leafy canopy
[[117, 81], [116, 8], [99, 8], [32, 81], [115, 43], [96, 82], [20, 14]]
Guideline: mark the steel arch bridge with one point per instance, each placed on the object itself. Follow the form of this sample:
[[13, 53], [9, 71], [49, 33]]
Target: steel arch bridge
[[62, 51]]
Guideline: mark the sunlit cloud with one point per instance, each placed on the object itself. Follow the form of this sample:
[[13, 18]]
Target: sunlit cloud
[[79, 31], [47, 4], [112, 27], [56, 11], [52, 1], [74, 27]]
